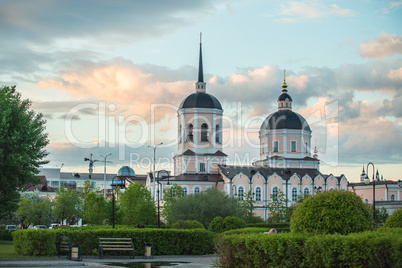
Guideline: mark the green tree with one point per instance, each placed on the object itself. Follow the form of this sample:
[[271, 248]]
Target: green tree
[[35, 211], [332, 212], [94, 209], [381, 215], [395, 220], [170, 196], [137, 206], [22, 143], [205, 206], [278, 212], [67, 205]]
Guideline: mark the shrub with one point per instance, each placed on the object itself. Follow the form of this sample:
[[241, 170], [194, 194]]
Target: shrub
[[216, 225], [6, 234], [395, 220], [35, 242], [166, 241], [188, 224], [332, 212], [230, 223], [250, 230], [367, 249]]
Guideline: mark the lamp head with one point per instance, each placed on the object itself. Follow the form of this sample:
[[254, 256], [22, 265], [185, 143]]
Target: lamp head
[[366, 179]]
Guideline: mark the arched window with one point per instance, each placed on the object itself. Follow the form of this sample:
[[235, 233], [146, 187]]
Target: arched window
[[196, 189], [240, 193], [366, 201], [190, 132], [294, 195], [258, 194], [392, 197], [185, 190], [306, 191], [275, 192], [218, 133], [204, 132]]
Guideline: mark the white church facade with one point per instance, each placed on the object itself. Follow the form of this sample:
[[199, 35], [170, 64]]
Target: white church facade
[[285, 163]]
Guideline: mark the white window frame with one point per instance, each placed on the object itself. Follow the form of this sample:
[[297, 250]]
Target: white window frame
[[273, 146], [202, 167], [291, 146]]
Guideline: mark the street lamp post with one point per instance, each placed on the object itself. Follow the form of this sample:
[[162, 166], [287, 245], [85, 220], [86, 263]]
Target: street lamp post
[[104, 173], [367, 181], [158, 191], [154, 147], [113, 192]]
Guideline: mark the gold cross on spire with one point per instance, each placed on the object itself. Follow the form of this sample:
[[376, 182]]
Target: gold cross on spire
[[284, 71]]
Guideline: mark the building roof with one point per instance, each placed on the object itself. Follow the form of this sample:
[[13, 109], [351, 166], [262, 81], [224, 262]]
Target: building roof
[[200, 100], [190, 152], [285, 119], [126, 171], [197, 177], [286, 173], [84, 176], [284, 96]]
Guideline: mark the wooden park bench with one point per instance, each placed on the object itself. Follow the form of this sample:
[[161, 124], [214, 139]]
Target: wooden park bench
[[64, 244], [116, 244]]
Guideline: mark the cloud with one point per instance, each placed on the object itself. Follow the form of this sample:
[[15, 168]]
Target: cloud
[[310, 10], [395, 74], [383, 46]]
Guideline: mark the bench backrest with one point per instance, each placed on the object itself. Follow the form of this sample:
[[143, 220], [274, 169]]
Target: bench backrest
[[116, 243]]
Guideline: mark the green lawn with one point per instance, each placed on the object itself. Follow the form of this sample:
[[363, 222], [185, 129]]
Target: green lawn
[[7, 250]]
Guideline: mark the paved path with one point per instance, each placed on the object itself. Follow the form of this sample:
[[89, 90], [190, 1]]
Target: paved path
[[92, 261]]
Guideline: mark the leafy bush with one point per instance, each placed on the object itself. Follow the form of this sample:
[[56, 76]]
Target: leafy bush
[[205, 206], [230, 223], [280, 225], [395, 220], [35, 242], [367, 249], [216, 225], [166, 241], [189, 224], [6, 234], [332, 212]]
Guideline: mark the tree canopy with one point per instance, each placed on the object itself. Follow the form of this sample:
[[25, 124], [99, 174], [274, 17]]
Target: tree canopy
[[137, 206], [22, 143], [205, 206], [67, 205]]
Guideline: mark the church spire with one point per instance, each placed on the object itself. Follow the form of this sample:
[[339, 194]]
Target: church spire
[[200, 86]]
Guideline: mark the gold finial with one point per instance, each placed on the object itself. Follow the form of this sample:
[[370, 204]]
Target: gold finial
[[284, 85], [200, 38], [315, 146]]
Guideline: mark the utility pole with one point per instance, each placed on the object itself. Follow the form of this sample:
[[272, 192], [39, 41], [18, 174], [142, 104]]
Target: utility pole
[[104, 173], [91, 165], [154, 147]]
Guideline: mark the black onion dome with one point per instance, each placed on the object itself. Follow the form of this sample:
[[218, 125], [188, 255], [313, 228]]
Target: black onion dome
[[285, 119], [284, 96], [200, 100]]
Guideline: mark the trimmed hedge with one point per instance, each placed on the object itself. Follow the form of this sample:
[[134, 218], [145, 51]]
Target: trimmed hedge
[[188, 224], [6, 234], [278, 225], [367, 249], [395, 220], [166, 242], [35, 242]]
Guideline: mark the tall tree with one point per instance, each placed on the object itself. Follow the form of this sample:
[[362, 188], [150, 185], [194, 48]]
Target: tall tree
[[170, 196], [35, 211], [137, 206], [95, 208], [22, 143], [67, 205]]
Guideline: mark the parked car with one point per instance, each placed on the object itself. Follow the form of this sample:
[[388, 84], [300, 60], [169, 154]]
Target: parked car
[[53, 225], [40, 227], [11, 227]]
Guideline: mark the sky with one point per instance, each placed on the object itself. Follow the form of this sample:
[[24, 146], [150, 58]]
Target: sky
[[109, 75]]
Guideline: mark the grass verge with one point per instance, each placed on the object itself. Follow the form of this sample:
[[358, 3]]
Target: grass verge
[[7, 250]]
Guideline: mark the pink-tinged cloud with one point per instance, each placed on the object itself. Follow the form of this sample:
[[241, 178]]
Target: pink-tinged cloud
[[298, 82], [395, 74], [122, 83], [384, 45]]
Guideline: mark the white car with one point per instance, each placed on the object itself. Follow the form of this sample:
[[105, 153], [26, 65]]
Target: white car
[[11, 227]]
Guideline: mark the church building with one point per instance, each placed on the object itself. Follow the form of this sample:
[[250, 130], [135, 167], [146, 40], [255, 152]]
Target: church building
[[285, 162]]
